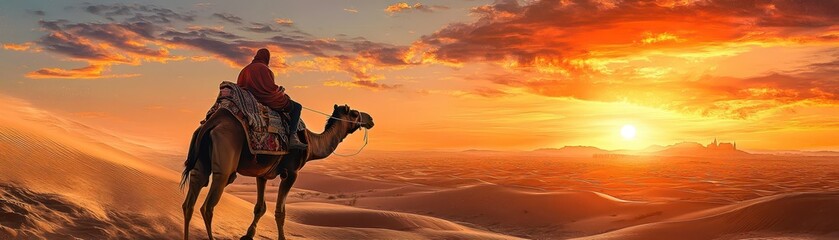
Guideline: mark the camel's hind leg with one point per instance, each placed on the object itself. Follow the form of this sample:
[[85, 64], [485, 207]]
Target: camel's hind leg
[[227, 145], [197, 180], [259, 209]]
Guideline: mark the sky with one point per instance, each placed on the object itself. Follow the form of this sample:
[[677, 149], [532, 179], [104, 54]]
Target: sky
[[445, 75]]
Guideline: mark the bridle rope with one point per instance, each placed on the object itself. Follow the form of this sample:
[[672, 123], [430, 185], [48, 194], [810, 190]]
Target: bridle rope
[[344, 120]]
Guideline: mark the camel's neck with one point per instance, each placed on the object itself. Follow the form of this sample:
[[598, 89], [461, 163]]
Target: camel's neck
[[321, 145]]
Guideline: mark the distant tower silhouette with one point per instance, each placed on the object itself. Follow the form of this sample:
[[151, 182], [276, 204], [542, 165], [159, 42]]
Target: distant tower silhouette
[[722, 146]]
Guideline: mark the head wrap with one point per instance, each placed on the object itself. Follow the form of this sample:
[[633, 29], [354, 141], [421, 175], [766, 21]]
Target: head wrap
[[262, 56]]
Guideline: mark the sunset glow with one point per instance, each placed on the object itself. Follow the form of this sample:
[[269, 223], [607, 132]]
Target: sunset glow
[[442, 75]]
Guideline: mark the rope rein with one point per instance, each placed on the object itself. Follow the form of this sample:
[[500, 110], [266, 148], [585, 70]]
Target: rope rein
[[344, 120], [330, 116], [356, 152]]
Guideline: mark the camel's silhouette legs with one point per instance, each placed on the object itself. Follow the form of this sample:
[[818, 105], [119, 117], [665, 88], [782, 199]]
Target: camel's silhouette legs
[[259, 209]]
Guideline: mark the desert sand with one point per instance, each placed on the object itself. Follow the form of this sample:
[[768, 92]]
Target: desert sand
[[541, 196], [63, 180]]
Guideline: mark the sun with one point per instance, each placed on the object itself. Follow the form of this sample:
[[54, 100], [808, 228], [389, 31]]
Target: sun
[[628, 132]]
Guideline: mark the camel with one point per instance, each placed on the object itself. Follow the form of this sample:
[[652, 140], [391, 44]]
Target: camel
[[218, 149]]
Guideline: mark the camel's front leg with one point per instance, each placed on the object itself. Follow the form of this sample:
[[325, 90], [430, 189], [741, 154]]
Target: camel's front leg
[[259, 209], [279, 212]]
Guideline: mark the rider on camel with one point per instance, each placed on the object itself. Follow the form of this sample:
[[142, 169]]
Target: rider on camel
[[257, 79]]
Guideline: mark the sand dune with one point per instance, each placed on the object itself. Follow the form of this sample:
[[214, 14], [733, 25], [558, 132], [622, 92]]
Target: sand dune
[[796, 215], [27, 215], [377, 224], [338, 184], [58, 186], [523, 212], [560, 198]]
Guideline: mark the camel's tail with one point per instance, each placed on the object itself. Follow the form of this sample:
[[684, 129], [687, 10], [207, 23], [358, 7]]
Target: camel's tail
[[192, 155]]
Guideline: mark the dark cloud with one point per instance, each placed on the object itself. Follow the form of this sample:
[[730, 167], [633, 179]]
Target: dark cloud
[[75, 47], [123, 42], [122, 36], [135, 34], [137, 12], [280, 25], [36, 12], [144, 29], [228, 17], [260, 28], [235, 53], [200, 33], [432, 8], [299, 44], [53, 25]]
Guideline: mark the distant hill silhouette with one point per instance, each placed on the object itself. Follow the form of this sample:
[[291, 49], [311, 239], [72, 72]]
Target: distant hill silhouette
[[654, 148], [482, 151], [574, 151], [687, 149]]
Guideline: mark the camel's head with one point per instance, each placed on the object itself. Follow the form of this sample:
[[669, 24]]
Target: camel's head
[[355, 118]]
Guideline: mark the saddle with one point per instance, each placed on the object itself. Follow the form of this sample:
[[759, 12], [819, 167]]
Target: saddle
[[265, 128]]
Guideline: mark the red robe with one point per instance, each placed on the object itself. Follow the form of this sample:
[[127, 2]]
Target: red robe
[[259, 81]]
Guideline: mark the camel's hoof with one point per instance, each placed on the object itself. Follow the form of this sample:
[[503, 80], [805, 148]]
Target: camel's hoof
[[246, 238]]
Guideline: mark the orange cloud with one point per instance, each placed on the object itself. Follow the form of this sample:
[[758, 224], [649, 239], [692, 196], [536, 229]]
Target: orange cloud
[[398, 7], [283, 21], [88, 72], [18, 47], [372, 85], [661, 37], [566, 29], [403, 7], [360, 68], [606, 50]]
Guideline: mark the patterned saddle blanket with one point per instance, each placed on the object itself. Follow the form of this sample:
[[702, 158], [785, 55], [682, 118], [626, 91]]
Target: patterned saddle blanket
[[264, 127]]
